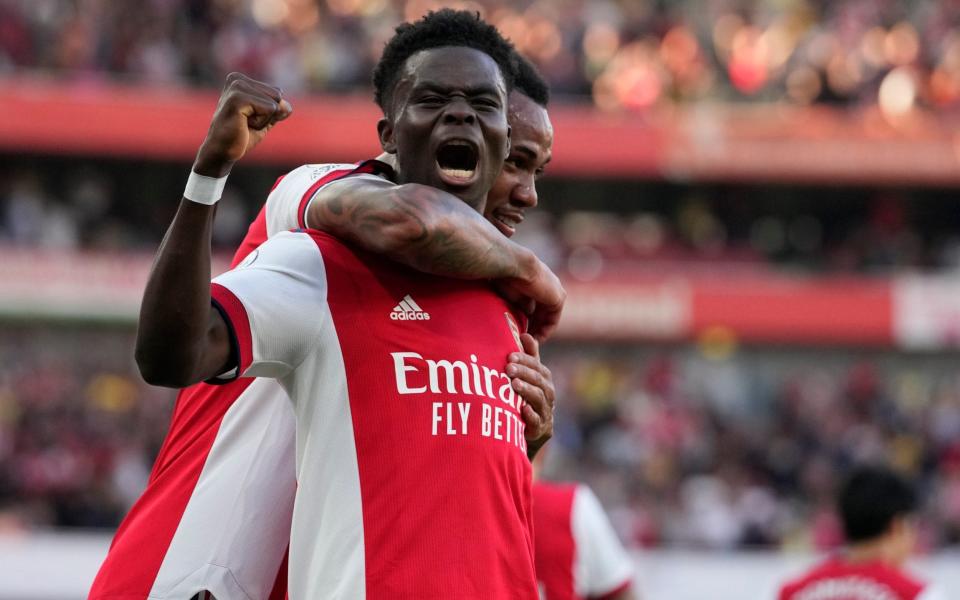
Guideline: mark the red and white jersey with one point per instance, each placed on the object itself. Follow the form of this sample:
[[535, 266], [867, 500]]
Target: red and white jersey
[[578, 554], [838, 579], [411, 460], [216, 512]]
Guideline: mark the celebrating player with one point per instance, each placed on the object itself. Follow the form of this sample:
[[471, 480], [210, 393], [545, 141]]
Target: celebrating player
[[875, 507], [179, 538], [373, 457]]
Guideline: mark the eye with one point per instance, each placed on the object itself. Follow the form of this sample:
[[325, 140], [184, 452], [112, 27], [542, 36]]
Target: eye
[[486, 103], [513, 161], [539, 173], [431, 100]]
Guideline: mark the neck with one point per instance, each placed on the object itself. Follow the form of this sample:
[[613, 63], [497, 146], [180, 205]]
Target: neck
[[873, 551]]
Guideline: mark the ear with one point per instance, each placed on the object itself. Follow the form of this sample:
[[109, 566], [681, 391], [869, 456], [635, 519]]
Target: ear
[[385, 132], [506, 154]]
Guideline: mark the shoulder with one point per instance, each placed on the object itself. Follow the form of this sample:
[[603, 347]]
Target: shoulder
[[905, 583], [554, 495], [305, 176], [796, 583], [311, 177]]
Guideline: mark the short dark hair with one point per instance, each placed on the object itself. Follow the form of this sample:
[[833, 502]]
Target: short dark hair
[[446, 27], [530, 82], [870, 499]]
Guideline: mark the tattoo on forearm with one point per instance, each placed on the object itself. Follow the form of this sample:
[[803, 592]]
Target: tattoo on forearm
[[469, 251]]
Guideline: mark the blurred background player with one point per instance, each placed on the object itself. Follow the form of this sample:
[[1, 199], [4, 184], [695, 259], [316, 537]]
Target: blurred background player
[[877, 510], [578, 554]]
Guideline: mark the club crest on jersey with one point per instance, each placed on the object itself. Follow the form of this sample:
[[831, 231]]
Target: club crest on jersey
[[319, 171], [408, 310], [514, 329]]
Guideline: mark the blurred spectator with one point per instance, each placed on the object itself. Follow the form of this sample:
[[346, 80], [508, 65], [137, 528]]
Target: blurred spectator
[[77, 435], [625, 55], [686, 446], [696, 448], [587, 231]]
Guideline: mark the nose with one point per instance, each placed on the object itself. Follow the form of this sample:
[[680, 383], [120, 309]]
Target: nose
[[525, 193], [459, 112]]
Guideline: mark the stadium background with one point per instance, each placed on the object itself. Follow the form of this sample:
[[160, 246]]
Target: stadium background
[[752, 204]]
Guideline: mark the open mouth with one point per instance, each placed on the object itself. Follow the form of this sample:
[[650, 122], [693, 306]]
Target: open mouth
[[457, 160]]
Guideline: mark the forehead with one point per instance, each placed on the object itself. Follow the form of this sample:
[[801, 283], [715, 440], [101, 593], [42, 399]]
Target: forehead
[[529, 122], [454, 67]]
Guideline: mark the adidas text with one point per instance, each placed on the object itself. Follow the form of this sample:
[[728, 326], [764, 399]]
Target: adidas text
[[410, 316]]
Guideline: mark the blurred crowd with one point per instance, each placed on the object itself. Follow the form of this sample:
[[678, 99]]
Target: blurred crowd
[[584, 229], [712, 447], [78, 429], [700, 446], [624, 54]]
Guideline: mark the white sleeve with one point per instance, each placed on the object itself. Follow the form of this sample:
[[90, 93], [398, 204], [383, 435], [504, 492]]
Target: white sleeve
[[932, 592], [287, 202], [275, 303], [601, 565]]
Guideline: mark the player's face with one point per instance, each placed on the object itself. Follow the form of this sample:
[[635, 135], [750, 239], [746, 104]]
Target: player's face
[[448, 124], [515, 190]]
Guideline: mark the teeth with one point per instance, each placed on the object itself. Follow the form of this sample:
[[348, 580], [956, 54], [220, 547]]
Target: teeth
[[458, 173]]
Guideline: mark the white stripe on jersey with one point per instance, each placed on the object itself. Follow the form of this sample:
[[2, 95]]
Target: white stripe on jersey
[[327, 538], [600, 563], [235, 526]]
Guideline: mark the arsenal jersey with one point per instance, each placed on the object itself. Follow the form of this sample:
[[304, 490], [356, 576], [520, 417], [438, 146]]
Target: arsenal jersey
[[839, 579], [216, 513], [410, 454], [578, 554]]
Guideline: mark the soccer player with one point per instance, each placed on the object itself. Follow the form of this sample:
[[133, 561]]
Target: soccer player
[[411, 466], [875, 507], [179, 537], [578, 554]]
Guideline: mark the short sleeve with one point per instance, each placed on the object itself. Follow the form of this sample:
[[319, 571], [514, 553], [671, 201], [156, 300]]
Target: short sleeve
[[275, 304], [286, 205], [601, 565]]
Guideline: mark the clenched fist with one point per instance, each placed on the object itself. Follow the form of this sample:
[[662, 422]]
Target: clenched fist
[[247, 110]]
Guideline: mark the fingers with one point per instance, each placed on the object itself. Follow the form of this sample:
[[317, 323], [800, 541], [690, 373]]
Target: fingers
[[526, 370], [533, 421], [530, 345], [537, 411], [262, 104], [544, 322], [234, 79]]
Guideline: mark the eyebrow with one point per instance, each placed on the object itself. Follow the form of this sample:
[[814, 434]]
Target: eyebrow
[[531, 155], [477, 90]]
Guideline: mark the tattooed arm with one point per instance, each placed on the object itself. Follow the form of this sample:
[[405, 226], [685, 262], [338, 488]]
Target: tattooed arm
[[435, 232]]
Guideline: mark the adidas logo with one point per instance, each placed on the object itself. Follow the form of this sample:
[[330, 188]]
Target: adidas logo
[[408, 310]]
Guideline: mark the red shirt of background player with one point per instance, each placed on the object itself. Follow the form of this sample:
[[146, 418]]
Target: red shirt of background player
[[837, 578]]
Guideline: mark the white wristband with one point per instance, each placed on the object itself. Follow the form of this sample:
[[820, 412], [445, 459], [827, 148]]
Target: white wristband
[[204, 190]]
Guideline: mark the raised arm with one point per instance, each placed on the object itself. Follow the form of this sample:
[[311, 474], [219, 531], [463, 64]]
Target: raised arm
[[181, 338], [435, 232]]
